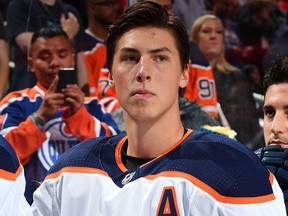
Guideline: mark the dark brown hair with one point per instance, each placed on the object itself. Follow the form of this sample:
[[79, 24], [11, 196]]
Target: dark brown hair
[[276, 74], [148, 14]]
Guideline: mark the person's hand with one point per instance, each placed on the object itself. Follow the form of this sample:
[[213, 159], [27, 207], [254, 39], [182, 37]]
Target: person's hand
[[74, 99], [52, 101], [70, 24]]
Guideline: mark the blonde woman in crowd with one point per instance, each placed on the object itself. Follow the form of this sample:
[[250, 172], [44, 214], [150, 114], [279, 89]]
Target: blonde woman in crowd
[[234, 93]]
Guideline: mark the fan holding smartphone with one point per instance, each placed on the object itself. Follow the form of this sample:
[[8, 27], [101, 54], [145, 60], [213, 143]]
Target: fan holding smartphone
[[51, 117]]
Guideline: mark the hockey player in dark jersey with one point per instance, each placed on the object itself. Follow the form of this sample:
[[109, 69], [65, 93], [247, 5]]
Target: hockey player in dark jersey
[[275, 124], [158, 167], [12, 181]]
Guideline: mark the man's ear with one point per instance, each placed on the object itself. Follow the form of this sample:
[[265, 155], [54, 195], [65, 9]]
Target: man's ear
[[30, 64], [111, 81], [184, 78]]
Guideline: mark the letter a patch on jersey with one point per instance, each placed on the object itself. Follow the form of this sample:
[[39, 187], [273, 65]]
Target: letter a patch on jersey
[[168, 203]]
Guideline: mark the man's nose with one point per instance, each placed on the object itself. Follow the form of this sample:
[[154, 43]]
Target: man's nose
[[144, 71], [55, 62], [278, 125]]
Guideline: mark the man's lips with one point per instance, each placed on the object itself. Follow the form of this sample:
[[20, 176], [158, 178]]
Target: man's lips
[[141, 93], [277, 142]]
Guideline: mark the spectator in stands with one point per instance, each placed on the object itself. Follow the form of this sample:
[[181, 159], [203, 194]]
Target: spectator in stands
[[189, 11], [254, 78], [41, 123], [81, 9], [233, 90], [278, 47], [227, 11], [100, 15], [4, 59], [27, 16], [258, 22], [275, 126]]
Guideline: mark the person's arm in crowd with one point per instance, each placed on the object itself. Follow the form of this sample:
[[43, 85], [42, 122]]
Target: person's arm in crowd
[[84, 123], [4, 66], [70, 25], [23, 41], [20, 128], [25, 135], [82, 73]]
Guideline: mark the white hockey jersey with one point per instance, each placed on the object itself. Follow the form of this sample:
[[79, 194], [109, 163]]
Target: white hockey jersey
[[203, 174]]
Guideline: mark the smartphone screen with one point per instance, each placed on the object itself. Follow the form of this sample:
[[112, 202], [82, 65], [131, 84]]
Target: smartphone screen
[[66, 76]]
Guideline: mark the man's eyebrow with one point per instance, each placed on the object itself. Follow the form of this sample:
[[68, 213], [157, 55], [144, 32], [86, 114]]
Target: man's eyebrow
[[268, 106], [164, 49], [128, 49], [132, 50], [44, 51], [64, 49]]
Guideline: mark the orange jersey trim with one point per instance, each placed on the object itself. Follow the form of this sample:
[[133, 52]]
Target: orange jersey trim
[[214, 193], [82, 170], [122, 141], [10, 176]]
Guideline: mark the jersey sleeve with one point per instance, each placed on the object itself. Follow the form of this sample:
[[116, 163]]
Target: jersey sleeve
[[107, 94], [91, 121], [12, 182], [201, 88], [95, 60], [19, 129]]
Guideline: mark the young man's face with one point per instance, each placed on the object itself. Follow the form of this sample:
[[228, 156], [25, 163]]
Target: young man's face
[[48, 56], [276, 115], [147, 73]]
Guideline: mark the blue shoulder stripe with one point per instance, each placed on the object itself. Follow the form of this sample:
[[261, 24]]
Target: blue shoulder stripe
[[8, 159]]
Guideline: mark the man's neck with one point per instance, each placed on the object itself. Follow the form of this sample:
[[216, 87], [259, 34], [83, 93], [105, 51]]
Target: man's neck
[[149, 141], [48, 2]]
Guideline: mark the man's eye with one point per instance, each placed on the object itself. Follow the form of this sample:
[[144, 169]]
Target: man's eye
[[45, 57], [160, 58], [129, 58], [269, 113], [63, 54]]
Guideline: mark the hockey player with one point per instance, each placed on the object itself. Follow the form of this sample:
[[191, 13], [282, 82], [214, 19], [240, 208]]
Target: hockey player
[[275, 127], [12, 182], [159, 167]]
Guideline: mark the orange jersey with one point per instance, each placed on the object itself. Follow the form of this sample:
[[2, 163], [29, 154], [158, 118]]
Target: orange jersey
[[95, 60], [106, 94], [201, 88]]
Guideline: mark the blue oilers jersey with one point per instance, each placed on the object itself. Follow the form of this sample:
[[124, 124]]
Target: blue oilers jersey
[[202, 174], [38, 150]]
